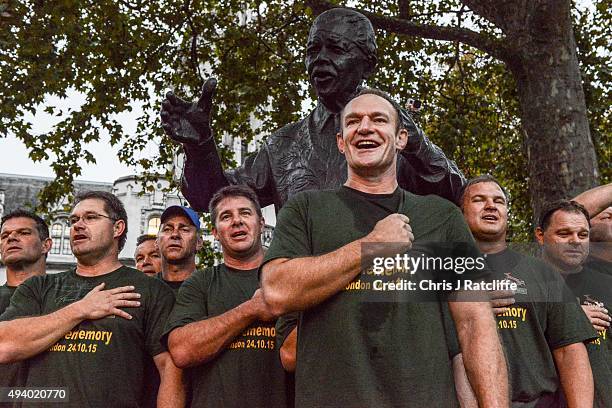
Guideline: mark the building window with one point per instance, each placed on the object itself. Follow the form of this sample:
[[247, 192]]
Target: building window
[[153, 226], [60, 233]]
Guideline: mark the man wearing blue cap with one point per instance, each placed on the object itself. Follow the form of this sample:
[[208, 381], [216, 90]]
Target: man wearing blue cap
[[220, 327], [178, 241]]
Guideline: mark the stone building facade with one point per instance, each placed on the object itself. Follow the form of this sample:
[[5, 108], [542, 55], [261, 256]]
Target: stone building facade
[[144, 209]]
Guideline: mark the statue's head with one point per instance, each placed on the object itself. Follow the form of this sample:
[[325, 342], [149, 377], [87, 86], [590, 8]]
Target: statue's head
[[341, 52]]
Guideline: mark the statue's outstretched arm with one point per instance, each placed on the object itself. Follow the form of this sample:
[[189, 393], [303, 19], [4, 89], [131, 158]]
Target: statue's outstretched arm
[[427, 170]]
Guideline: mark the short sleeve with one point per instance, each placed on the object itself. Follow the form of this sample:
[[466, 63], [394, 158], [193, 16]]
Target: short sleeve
[[291, 237], [190, 305], [156, 315], [26, 301], [284, 326], [566, 322]]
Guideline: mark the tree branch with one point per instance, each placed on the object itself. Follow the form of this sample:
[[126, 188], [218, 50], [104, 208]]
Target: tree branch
[[404, 9], [491, 45]]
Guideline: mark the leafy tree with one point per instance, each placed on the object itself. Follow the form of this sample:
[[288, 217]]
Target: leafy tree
[[502, 90]]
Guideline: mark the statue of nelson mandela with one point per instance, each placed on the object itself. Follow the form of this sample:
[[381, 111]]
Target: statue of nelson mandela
[[340, 54]]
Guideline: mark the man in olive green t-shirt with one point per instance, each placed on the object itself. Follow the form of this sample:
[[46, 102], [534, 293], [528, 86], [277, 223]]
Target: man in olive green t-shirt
[[220, 327], [74, 327], [542, 329], [353, 351], [24, 244], [563, 231]]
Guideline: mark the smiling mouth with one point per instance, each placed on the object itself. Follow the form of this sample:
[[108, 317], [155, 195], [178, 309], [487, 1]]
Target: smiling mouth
[[79, 238], [490, 217], [367, 144], [239, 234]]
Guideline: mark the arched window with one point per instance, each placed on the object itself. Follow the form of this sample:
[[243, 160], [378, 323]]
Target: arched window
[[153, 226], [66, 250], [56, 234], [60, 233]]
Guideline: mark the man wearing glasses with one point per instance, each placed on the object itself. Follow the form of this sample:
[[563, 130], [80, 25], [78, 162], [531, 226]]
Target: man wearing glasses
[[73, 327]]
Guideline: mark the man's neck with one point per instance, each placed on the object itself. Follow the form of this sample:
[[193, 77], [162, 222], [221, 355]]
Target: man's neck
[[385, 183], [563, 270], [491, 247], [15, 276], [178, 272], [244, 263], [107, 264]]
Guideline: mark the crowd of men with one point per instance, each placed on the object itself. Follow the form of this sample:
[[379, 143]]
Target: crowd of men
[[299, 324]]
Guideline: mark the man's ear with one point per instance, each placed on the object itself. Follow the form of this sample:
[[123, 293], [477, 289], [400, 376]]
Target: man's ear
[[401, 139], [539, 234], [118, 228], [340, 142], [199, 243], [215, 233], [46, 245]]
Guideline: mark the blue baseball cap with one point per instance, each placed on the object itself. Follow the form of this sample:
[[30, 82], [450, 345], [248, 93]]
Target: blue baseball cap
[[181, 210]]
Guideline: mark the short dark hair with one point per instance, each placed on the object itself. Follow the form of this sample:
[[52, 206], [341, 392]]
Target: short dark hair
[[374, 91], [232, 191], [569, 206], [112, 205], [41, 225], [144, 238], [483, 178]]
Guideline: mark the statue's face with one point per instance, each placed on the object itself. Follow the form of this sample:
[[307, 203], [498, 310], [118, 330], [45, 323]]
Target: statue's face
[[335, 64]]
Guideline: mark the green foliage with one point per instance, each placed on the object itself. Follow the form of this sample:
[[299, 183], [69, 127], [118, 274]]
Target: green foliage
[[124, 54]]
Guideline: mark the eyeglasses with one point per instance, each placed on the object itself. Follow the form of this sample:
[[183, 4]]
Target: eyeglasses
[[88, 218]]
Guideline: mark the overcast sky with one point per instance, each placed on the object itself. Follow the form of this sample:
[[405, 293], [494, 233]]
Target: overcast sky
[[14, 155]]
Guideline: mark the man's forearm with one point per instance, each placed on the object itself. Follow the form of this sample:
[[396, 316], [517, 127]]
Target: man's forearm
[[596, 199], [297, 284], [29, 336], [288, 352], [575, 374], [200, 341], [171, 391], [465, 394], [483, 356]]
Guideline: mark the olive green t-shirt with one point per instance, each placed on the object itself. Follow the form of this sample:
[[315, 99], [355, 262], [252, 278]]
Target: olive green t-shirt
[[11, 375], [354, 351], [101, 362], [599, 265], [6, 292], [592, 287], [174, 285], [152, 379], [248, 372], [545, 317]]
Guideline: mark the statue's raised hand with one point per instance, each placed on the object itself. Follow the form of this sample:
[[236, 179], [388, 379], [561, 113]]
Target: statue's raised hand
[[187, 122]]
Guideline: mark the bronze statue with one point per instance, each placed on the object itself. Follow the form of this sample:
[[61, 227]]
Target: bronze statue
[[340, 54]]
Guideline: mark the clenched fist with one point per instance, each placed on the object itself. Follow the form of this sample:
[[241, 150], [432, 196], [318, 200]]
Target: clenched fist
[[261, 307], [394, 233]]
